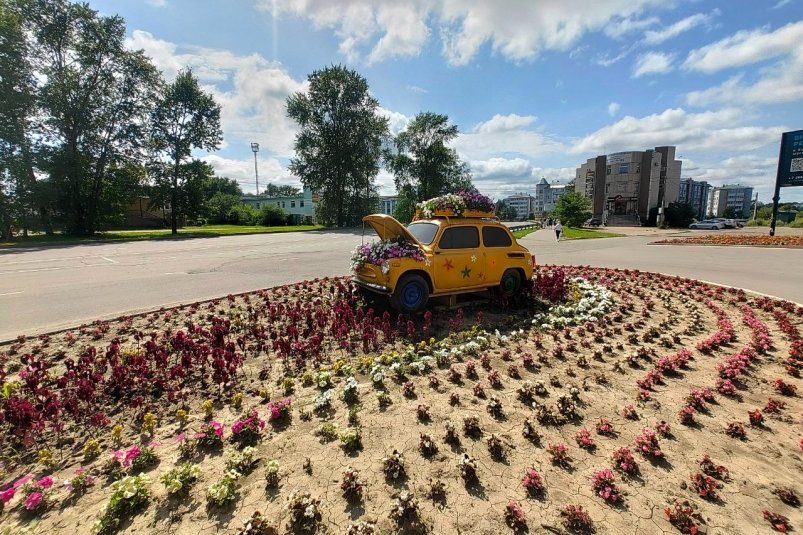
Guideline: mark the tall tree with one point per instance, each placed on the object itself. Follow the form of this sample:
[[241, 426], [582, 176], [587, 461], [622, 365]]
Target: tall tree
[[94, 96], [422, 161], [338, 148], [17, 179], [185, 118], [573, 209]]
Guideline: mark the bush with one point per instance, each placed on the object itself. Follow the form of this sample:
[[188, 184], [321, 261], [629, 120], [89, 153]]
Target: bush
[[271, 215], [573, 209]]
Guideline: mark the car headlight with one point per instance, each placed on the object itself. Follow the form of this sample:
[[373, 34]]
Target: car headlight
[[385, 268]]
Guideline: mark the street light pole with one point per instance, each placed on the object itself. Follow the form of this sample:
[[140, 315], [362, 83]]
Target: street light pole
[[255, 149]]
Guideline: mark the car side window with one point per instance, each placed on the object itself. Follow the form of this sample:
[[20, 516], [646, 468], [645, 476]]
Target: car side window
[[495, 237], [460, 238]]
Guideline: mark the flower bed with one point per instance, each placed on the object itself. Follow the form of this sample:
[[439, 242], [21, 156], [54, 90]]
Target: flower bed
[[457, 205], [753, 240], [378, 252]]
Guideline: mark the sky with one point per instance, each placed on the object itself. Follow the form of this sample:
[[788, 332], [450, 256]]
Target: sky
[[535, 87]]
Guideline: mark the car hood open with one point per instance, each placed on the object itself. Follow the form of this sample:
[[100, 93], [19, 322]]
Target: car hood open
[[387, 227]]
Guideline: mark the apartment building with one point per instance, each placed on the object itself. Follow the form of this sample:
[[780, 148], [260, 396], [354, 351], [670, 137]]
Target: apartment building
[[695, 193], [734, 196]]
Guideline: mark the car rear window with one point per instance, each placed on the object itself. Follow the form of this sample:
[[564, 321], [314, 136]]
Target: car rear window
[[423, 232], [460, 238], [496, 237]]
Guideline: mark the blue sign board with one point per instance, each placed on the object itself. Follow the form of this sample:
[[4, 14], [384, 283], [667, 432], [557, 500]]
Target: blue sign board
[[790, 162]]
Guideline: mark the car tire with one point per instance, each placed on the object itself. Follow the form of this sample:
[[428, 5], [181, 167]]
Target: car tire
[[411, 294], [693, 227], [510, 283]]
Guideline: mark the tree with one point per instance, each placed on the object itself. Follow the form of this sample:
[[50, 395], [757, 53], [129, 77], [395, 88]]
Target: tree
[[680, 214], [270, 215], [731, 213], [185, 118], [421, 160], [405, 205], [17, 179], [573, 209], [94, 96], [338, 147], [505, 212]]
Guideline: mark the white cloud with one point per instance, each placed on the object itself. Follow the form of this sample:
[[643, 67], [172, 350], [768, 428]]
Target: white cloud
[[722, 130], [505, 134], [655, 37], [396, 121], [416, 89], [781, 4], [253, 105], [653, 63], [502, 177], [519, 30], [745, 48], [748, 170], [606, 60], [157, 3], [503, 123], [619, 29], [779, 82], [613, 108]]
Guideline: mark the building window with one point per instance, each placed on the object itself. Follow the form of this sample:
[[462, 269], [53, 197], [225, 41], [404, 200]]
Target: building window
[[624, 168], [283, 205], [301, 204], [292, 204], [608, 170], [278, 203]]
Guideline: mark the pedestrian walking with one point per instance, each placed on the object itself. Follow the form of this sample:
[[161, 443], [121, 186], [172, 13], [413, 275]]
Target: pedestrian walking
[[558, 230]]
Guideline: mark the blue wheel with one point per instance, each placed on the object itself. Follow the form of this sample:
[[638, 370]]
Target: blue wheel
[[411, 295]]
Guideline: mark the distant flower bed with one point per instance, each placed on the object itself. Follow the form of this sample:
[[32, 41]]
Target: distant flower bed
[[755, 240], [377, 252], [457, 203]]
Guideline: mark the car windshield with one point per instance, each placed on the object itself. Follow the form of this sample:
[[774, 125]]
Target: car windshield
[[423, 232]]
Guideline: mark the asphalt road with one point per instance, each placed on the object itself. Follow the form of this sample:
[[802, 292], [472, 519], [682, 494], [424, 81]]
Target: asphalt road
[[49, 288]]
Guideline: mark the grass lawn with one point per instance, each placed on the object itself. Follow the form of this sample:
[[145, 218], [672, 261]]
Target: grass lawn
[[186, 232], [518, 234], [584, 234]]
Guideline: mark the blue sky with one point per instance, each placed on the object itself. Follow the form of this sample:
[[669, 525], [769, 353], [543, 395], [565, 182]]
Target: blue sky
[[535, 86]]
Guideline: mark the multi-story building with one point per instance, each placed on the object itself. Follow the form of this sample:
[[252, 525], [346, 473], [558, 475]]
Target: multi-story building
[[732, 196], [387, 204], [630, 186], [297, 207], [546, 195], [523, 203], [695, 194]]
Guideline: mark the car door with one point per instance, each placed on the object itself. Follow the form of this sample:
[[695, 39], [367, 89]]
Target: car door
[[496, 243], [458, 259]]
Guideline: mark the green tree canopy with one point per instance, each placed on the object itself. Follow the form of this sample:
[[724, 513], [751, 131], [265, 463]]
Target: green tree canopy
[[422, 161], [680, 214], [505, 212], [185, 118], [573, 209], [338, 147]]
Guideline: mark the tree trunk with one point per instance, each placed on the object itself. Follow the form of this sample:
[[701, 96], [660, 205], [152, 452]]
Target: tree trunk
[[174, 201]]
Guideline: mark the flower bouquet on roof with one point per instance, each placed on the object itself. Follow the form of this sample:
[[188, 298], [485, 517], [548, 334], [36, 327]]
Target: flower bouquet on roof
[[377, 252], [458, 204]]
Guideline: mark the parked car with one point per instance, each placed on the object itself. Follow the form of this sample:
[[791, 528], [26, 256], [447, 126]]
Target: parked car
[[458, 255], [726, 223], [708, 224], [593, 222]]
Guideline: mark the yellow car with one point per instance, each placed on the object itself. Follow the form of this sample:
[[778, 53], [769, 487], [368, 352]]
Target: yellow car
[[449, 255]]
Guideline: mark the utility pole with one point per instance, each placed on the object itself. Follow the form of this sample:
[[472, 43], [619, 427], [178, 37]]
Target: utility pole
[[755, 207], [255, 149]]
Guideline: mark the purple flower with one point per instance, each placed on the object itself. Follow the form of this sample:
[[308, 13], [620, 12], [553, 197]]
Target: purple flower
[[46, 482], [7, 494]]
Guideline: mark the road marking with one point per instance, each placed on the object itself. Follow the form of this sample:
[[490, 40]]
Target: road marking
[[176, 273], [110, 260], [10, 293], [35, 270]]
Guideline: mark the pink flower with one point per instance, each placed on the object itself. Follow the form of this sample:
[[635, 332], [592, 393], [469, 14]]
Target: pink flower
[[46, 482], [7, 495], [182, 437], [117, 454], [33, 500], [131, 454], [154, 444], [23, 480], [237, 427], [199, 435], [218, 427]]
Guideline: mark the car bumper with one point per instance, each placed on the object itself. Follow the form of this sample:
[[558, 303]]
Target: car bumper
[[379, 288]]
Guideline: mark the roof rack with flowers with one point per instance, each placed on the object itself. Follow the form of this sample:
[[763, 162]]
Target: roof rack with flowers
[[460, 204]]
